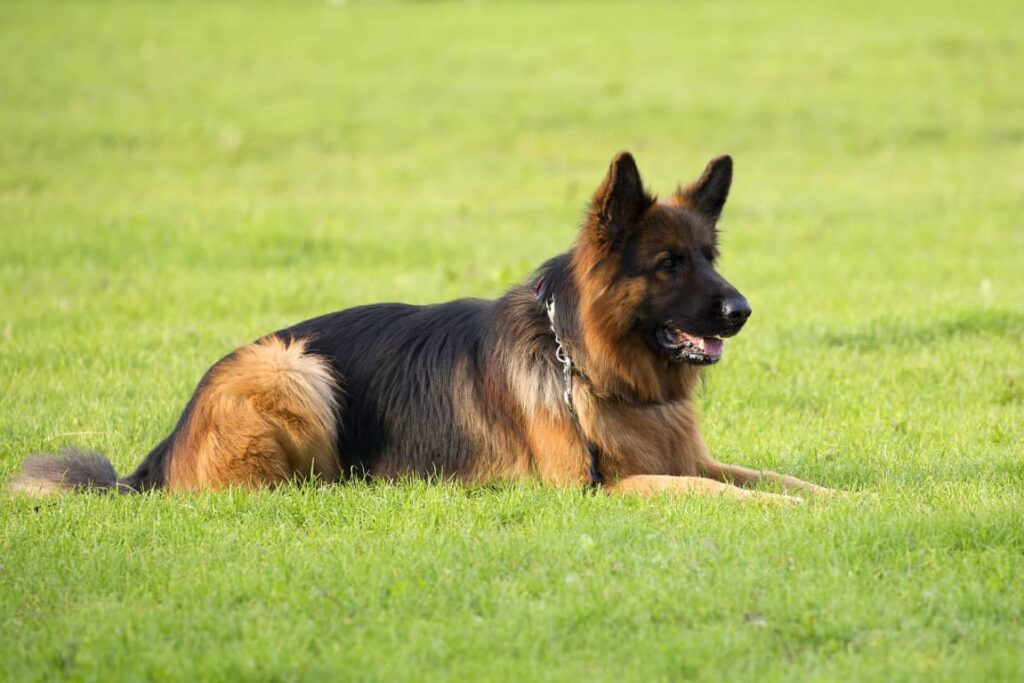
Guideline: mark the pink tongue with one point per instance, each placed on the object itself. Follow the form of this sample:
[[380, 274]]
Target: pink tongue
[[712, 346]]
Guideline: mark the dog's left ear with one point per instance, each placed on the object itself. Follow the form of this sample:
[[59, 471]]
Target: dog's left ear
[[620, 201], [707, 194]]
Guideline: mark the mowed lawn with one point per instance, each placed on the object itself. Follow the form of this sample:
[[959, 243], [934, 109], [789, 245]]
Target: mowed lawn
[[176, 180]]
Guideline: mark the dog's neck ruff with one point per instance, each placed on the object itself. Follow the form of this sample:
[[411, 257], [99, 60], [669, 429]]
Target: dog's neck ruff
[[568, 370]]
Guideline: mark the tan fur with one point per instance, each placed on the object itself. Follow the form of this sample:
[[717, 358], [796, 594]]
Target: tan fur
[[266, 415], [659, 439], [665, 440], [500, 453], [744, 476], [647, 485], [534, 390], [559, 457], [35, 488]]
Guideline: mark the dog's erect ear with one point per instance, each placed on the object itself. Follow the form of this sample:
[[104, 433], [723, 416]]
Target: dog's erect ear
[[708, 193], [621, 200]]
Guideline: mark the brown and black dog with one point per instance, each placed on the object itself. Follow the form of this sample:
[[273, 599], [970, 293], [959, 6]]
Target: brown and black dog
[[584, 374]]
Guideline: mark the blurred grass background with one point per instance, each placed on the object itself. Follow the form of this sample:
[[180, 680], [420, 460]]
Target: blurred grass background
[[177, 179]]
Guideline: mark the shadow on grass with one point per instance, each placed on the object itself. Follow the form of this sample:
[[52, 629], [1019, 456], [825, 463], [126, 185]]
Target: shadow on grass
[[893, 333]]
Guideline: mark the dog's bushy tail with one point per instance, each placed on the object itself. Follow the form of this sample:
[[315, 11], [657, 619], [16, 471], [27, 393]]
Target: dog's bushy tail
[[71, 470]]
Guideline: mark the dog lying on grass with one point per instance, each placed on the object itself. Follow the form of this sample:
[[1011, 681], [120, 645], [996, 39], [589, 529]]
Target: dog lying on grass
[[582, 375]]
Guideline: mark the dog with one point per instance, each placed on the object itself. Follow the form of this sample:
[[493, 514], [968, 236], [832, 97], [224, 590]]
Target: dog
[[584, 375]]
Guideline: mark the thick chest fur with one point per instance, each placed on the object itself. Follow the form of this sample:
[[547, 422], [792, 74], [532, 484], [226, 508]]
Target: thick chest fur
[[530, 430], [659, 439]]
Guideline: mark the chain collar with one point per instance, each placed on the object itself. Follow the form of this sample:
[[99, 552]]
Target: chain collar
[[562, 356], [568, 370]]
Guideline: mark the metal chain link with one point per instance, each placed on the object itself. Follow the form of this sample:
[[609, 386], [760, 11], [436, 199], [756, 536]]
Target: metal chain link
[[562, 356], [567, 371]]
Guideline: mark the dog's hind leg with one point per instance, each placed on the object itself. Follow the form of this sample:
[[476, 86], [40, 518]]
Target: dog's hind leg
[[265, 415], [648, 484], [744, 476]]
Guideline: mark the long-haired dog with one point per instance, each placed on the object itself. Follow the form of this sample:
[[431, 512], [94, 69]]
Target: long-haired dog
[[583, 375]]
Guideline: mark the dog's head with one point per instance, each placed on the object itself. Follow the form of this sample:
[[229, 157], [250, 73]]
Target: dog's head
[[650, 265]]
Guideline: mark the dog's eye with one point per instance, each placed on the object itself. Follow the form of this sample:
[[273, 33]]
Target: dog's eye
[[668, 263]]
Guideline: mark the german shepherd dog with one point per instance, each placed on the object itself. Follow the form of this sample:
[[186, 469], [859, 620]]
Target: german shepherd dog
[[582, 375]]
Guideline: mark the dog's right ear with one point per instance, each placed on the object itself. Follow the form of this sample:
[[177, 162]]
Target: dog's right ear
[[620, 201]]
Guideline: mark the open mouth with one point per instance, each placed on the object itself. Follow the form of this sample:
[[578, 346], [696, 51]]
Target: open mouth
[[689, 348]]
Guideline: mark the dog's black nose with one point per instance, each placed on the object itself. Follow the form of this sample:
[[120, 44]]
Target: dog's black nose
[[735, 309]]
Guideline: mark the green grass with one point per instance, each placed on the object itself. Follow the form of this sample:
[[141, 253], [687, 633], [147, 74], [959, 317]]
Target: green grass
[[176, 180]]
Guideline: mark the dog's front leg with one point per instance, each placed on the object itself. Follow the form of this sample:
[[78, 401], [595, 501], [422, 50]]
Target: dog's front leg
[[648, 484], [744, 476]]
